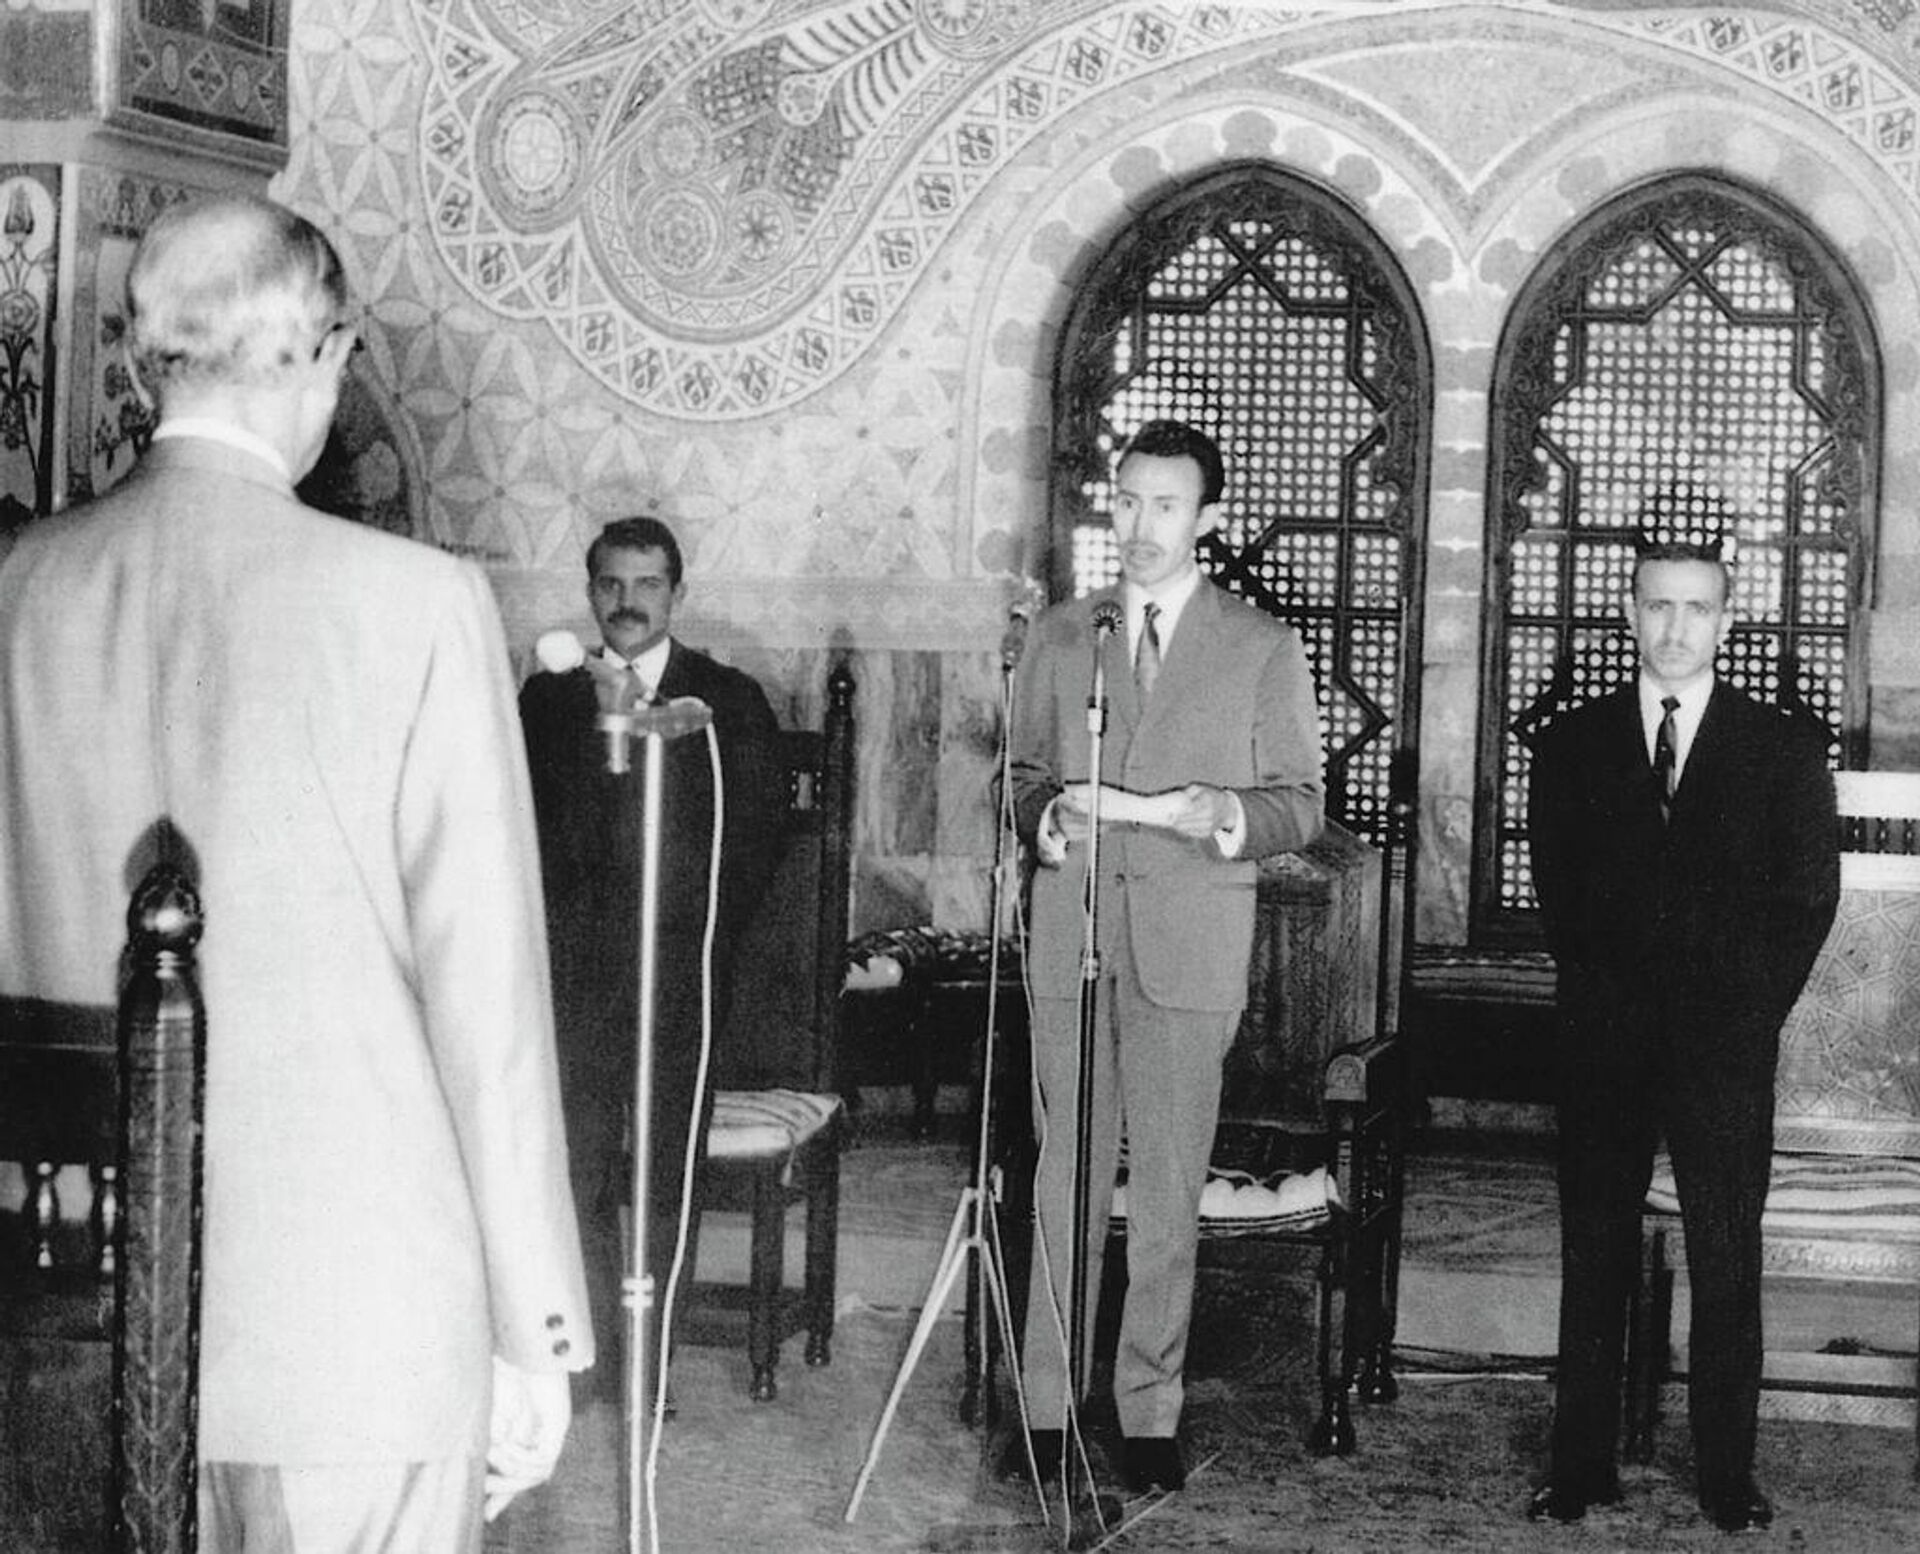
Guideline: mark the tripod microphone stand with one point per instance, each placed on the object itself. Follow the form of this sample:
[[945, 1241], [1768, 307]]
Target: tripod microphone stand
[[975, 1226], [974, 1233]]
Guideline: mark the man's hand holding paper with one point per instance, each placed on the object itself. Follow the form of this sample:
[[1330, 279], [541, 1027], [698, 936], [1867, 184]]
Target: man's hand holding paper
[[1195, 810]]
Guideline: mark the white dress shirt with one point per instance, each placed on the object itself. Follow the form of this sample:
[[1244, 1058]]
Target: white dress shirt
[[646, 666], [1686, 717]]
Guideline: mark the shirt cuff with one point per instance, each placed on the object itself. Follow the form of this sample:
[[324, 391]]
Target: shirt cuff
[[1051, 845], [1232, 836]]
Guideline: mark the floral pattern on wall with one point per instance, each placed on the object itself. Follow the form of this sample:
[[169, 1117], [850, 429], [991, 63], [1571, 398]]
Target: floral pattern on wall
[[717, 208]]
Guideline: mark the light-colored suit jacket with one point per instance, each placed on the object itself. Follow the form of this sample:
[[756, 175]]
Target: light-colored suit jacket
[[1233, 708], [326, 715]]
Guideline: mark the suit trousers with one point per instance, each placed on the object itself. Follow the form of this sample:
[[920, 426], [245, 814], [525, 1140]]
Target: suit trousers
[[1720, 1136], [1155, 1073], [342, 1507]]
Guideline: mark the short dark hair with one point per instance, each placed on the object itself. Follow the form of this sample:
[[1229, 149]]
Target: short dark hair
[[1177, 440], [641, 533], [1685, 522]]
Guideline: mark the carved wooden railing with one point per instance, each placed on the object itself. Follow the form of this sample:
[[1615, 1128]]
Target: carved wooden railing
[[118, 1094], [156, 1325]]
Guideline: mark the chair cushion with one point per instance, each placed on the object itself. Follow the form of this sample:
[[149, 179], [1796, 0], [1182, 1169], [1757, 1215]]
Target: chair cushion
[[752, 1124], [1829, 1194], [1235, 1203], [927, 954]]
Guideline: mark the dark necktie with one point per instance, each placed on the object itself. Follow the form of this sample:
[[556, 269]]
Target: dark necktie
[[1146, 657], [1664, 754]]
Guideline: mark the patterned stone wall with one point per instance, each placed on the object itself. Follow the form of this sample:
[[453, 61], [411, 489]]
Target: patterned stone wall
[[790, 274]]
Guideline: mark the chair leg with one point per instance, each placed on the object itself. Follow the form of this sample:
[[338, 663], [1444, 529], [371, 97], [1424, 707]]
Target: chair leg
[[766, 1278], [1377, 1382], [1332, 1434], [823, 1221], [1381, 1385]]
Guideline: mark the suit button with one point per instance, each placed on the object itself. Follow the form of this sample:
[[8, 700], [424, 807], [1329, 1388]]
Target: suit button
[[563, 1346], [555, 1321]]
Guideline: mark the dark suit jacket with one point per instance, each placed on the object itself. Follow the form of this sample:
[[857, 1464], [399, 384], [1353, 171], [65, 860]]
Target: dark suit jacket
[[590, 827], [1699, 929], [1233, 707]]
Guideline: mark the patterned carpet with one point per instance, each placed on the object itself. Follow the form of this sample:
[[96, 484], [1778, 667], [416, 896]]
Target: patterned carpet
[[1447, 1466]]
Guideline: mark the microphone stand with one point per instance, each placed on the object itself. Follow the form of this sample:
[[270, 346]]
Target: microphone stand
[[656, 726], [1079, 1320], [974, 1234]]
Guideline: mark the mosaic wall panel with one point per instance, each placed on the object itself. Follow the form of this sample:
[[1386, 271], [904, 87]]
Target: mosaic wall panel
[[215, 72], [29, 256], [1850, 1051], [718, 206], [107, 426]]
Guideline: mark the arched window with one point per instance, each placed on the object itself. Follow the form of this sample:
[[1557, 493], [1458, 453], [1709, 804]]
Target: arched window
[[1258, 307], [1691, 335]]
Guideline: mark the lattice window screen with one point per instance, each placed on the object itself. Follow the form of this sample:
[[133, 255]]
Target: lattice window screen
[[1259, 309], [1696, 338]]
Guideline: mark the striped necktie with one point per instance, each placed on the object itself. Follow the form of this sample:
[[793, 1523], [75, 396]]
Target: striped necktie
[[1146, 657], [1665, 755]]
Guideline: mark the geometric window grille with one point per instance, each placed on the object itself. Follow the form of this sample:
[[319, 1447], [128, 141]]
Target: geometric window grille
[[1692, 340], [1259, 308]]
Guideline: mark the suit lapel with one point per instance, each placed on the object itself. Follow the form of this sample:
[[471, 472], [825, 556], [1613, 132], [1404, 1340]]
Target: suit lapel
[[1624, 752], [1708, 754], [673, 673]]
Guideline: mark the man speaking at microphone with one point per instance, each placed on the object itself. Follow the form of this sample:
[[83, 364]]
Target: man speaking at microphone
[[1210, 761], [590, 825]]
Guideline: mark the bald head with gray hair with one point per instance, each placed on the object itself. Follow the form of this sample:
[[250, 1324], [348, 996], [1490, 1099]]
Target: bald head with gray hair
[[230, 291]]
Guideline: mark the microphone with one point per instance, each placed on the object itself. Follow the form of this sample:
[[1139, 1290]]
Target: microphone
[[1013, 641], [1108, 618], [559, 651]]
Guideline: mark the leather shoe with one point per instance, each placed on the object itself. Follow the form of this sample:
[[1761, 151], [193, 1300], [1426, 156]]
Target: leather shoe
[[1049, 1447], [1154, 1461], [1740, 1509], [1555, 1501]]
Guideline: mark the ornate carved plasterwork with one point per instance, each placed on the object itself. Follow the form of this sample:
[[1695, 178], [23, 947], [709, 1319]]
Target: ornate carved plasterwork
[[718, 206]]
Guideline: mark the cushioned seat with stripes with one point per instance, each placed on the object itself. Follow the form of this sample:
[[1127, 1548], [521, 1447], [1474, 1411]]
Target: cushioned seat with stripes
[[1844, 1202]]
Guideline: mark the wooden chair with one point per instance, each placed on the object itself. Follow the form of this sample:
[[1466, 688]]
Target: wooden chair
[[771, 1147], [1844, 1204], [1314, 1114], [99, 1311]]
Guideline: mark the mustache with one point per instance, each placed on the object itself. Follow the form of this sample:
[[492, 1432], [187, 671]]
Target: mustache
[[630, 618]]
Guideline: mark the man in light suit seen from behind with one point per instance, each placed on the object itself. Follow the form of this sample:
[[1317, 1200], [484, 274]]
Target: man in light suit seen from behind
[[1211, 760], [318, 721]]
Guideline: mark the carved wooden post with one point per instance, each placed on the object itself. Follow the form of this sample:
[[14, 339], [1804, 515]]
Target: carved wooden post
[[836, 854], [157, 1286]]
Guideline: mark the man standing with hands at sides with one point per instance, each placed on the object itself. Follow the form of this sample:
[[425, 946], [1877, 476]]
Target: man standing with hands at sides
[[1685, 854], [1211, 761], [590, 825], [314, 721]]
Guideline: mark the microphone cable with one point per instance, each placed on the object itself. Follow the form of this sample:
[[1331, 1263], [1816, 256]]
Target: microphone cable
[[658, 1406]]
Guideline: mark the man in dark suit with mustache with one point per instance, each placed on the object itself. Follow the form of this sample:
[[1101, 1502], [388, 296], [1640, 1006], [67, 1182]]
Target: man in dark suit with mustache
[[1685, 853], [590, 825]]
